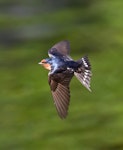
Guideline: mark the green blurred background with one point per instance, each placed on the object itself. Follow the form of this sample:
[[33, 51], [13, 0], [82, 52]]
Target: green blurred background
[[28, 119]]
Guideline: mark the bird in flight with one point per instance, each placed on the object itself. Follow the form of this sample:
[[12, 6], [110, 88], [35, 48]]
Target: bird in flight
[[61, 70]]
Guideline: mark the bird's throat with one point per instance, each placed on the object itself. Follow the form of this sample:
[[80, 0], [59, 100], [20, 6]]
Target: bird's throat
[[47, 66]]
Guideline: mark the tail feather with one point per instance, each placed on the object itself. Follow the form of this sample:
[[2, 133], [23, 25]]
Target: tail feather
[[84, 73]]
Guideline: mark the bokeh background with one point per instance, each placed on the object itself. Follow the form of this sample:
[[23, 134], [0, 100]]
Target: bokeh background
[[28, 119]]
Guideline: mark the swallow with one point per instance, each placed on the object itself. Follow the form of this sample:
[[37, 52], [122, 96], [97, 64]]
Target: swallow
[[61, 70]]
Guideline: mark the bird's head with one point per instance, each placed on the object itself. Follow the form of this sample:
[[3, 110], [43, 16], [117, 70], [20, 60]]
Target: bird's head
[[45, 63]]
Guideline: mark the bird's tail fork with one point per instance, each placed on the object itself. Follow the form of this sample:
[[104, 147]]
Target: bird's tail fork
[[84, 73]]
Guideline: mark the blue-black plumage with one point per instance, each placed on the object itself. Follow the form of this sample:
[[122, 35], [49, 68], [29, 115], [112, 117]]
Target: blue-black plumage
[[61, 70]]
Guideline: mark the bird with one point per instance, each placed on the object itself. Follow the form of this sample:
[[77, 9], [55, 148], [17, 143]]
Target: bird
[[62, 68]]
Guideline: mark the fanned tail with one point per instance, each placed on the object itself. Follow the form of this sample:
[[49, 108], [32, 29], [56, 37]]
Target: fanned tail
[[84, 73]]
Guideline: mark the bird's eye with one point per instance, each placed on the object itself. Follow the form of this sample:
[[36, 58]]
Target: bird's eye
[[43, 61]]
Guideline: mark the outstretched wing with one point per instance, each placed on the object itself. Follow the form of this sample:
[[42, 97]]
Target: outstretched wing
[[62, 48], [59, 84]]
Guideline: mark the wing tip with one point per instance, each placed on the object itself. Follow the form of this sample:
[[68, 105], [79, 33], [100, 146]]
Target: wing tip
[[62, 47]]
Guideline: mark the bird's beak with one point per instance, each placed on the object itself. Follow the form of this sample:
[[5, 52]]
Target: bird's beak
[[40, 63]]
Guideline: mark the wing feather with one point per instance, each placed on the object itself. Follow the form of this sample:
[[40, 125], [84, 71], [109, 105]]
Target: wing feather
[[62, 48], [59, 103], [61, 92]]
